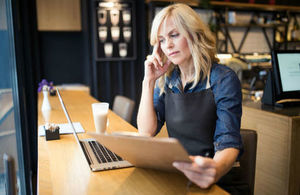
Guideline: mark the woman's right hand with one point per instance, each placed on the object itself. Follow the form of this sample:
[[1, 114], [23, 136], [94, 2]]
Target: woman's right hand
[[154, 67]]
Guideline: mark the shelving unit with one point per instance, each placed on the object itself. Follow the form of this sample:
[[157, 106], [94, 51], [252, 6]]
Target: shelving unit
[[273, 24], [266, 34], [108, 61], [290, 42], [116, 70], [224, 28], [114, 31]]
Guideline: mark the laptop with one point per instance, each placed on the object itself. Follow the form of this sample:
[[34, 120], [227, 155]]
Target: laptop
[[98, 157]]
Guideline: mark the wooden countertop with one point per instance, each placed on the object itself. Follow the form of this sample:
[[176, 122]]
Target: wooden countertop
[[291, 111], [278, 143], [62, 168]]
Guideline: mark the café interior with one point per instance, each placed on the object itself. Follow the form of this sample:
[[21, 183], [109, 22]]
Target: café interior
[[94, 51]]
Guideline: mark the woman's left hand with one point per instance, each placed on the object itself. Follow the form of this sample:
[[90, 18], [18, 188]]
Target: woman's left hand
[[202, 171]]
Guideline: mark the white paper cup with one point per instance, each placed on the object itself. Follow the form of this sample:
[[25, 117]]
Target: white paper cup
[[115, 33], [108, 49], [126, 16], [114, 16], [123, 49], [127, 33], [100, 111], [102, 33], [102, 15]]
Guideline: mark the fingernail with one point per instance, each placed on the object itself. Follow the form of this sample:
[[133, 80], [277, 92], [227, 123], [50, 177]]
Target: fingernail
[[198, 161], [175, 164]]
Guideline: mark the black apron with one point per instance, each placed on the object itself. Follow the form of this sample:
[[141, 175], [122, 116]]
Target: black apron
[[191, 118]]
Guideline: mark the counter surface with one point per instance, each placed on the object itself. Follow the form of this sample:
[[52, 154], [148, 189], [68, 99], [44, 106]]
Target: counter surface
[[290, 111], [278, 143], [62, 168]]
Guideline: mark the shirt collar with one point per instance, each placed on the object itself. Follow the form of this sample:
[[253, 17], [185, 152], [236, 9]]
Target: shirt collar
[[174, 80]]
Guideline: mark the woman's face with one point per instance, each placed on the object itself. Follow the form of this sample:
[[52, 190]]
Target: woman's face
[[173, 44]]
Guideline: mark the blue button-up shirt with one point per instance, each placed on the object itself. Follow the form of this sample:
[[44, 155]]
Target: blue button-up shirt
[[226, 88]]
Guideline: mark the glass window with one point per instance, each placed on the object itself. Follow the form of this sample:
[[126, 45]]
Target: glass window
[[10, 128]]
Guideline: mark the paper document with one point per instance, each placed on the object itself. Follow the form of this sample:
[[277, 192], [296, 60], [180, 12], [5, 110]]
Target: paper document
[[64, 128]]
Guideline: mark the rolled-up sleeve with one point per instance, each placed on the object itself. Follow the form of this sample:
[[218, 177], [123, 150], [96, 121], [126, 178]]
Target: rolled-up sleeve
[[159, 106], [228, 99]]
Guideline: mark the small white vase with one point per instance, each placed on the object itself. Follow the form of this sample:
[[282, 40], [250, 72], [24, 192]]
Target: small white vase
[[46, 104]]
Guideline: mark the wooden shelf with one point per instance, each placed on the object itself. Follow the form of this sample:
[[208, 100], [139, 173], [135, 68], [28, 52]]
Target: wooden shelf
[[189, 2], [264, 7], [224, 29], [253, 25], [295, 42], [235, 5]]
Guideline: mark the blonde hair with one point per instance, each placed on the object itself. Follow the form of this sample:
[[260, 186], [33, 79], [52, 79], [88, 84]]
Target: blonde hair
[[200, 40]]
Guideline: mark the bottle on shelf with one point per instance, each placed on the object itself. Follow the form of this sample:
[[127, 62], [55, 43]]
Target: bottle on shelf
[[295, 32]]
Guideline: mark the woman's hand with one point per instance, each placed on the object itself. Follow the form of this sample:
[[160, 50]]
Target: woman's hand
[[202, 171], [154, 67]]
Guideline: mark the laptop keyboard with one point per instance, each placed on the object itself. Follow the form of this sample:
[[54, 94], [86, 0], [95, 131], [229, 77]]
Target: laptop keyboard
[[103, 154]]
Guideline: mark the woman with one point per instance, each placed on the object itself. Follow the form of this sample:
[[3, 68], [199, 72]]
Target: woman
[[199, 100]]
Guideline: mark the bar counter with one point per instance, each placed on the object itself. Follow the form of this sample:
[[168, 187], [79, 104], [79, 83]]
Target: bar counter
[[62, 168], [278, 147]]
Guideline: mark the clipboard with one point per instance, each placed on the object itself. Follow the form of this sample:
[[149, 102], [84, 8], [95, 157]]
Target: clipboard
[[144, 152]]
